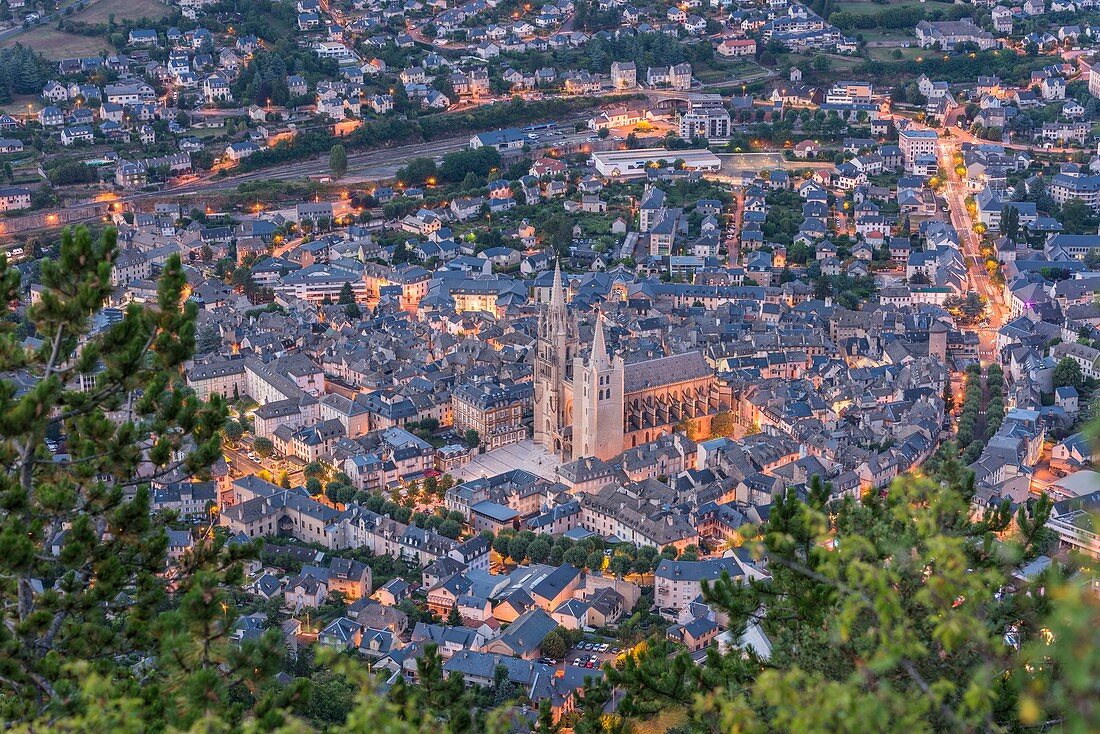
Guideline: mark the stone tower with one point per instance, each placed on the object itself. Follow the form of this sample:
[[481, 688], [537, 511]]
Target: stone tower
[[598, 390], [556, 347], [937, 340]]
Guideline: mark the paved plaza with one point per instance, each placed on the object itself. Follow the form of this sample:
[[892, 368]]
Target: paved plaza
[[523, 455]]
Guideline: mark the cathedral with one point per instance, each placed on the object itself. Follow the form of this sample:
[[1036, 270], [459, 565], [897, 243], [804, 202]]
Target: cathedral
[[597, 404]]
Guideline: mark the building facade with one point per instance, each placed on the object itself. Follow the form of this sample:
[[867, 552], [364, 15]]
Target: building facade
[[600, 405]]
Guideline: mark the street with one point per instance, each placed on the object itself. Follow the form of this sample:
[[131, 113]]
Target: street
[[955, 195]]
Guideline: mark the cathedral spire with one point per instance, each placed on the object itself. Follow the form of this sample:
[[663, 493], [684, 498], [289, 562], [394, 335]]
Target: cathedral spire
[[557, 293], [600, 359]]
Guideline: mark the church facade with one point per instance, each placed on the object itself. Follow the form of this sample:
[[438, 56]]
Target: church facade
[[597, 404]]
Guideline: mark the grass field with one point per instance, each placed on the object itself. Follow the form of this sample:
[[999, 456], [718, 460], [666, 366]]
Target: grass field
[[887, 54], [101, 11], [864, 6], [55, 44]]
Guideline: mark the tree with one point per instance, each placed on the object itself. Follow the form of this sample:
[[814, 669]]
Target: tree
[[353, 312], [1010, 222], [233, 430], [1067, 373], [454, 618], [347, 296], [594, 561], [73, 621], [876, 577], [338, 160], [575, 556], [538, 551], [553, 645], [722, 424], [263, 446], [449, 529], [517, 548], [471, 438], [418, 171], [1077, 217]]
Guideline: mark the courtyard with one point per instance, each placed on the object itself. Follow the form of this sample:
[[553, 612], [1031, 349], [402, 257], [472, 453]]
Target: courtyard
[[526, 455]]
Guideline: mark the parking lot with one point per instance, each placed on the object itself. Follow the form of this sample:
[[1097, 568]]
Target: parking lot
[[597, 657]]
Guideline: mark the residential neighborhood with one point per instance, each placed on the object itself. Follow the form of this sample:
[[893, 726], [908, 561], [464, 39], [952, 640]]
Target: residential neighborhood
[[550, 341]]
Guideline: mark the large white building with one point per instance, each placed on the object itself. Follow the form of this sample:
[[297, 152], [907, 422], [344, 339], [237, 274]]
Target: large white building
[[915, 144], [628, 163]]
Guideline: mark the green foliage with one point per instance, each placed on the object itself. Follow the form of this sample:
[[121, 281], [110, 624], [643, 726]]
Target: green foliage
[[458, 165], [23, 71], [553, 645], [263, 446], [103, 602], [417, 171], [883, 614], [1067, 373], [66, 172], [338, 160]]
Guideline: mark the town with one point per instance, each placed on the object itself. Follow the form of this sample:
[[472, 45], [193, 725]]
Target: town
[[528, 316]]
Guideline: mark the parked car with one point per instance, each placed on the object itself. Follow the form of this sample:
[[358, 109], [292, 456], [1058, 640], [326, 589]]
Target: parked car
[[589, 664], [577, 662]]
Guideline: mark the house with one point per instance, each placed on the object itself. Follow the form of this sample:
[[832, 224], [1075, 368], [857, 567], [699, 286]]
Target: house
[[734, 47], [341, 634], [678, 583], [77, 134], [507, 139], [143, 37], [50, 116], [14, 197], [524, 636], [239, 151]]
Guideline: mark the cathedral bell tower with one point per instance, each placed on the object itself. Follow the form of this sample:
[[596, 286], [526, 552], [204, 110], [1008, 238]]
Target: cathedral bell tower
[[556, 346], [598, 400]]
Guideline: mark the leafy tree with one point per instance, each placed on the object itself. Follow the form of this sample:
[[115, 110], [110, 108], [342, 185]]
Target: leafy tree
[[338, 160], [517, 548], [263, 446], [450, 529], [454, 618], [1076, 217], [722, 424], [471, 438], [233, 430], [417, 172], [575, 556], [886, 613], [553, 645], [1067, 373], [538, 551], [314, 486]]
